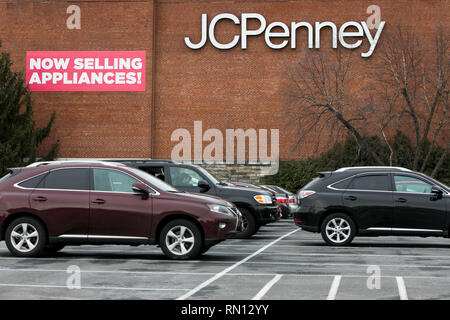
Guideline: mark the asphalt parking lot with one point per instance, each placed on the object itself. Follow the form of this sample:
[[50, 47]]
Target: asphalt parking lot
[[279, 262]]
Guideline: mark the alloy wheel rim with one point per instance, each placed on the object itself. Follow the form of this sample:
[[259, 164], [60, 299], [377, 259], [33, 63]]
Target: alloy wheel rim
[[338, 230], [180, 240], [24, 237]]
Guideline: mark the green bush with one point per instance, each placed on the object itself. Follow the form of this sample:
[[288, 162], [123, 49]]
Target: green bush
[[293, 175], [19, 137]]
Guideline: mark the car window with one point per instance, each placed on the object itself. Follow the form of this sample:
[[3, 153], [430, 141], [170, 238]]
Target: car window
[[411, 184], [152, 180], [370, 182], [158, 172], [209, 175], [71, 179], [184, 177], [113, 181], [32, 182], [342, 184]]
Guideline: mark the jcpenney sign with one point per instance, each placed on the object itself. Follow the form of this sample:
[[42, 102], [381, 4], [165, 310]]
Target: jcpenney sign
[[348, 34]]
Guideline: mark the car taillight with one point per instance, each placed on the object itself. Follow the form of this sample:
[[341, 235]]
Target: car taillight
[[282, 200], [306, 193]]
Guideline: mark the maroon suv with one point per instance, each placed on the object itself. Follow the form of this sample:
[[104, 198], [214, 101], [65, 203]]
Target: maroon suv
[[46, 206]]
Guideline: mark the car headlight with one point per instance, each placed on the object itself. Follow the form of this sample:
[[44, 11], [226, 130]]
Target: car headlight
[[220, 209], [262, 198]]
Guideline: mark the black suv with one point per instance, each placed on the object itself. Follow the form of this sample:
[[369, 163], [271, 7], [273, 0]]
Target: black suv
[[373, 201], [258, 207]]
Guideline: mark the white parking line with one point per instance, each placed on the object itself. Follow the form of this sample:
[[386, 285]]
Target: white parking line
[[347, 264], [267, 287], [94, 288], [99, 257], [225, 271], [221, 262], [401, 288], [231, 274], [215, 250], [334, 288]]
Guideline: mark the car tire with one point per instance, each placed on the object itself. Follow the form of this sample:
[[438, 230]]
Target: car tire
[[174, 240], [204, 249], [249, 225], [26, 237], [338, 229], [53, 248]]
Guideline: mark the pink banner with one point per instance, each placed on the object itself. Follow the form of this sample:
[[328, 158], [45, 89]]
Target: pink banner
[[86, 70]]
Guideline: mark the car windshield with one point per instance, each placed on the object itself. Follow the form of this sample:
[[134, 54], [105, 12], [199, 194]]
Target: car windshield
[[153, 180], [209, 175], [9, 175], [279, 189], [6, 176]]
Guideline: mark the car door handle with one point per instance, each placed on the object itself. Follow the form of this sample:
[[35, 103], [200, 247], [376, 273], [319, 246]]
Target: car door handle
[[400, 200], [352, 198], [98, 201], [40, 199]]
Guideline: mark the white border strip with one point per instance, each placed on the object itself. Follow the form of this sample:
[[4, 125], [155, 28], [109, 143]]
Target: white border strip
[[237, 264], [267, 287]]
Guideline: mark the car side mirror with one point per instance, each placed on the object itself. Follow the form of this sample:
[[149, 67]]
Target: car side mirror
[[141, 189], [203, 185], [437, 193]]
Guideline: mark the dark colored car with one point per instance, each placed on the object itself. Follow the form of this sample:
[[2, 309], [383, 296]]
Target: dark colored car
[[373, 201], [287, 200], [258, 207], [46, 206]]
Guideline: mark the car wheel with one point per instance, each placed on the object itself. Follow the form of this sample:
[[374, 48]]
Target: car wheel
[[181, 239], [338, 229], [249, 226], [205, 249], [53, 248], [25, 237]]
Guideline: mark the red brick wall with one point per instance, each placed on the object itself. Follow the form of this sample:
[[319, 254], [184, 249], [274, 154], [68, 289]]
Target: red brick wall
[[224, 89], [88, 124]]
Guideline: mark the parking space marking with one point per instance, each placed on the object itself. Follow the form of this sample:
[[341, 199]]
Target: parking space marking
[[267, 287], [401, 288], [111, 271], [100, 258], [348, 264], [93, 288], [225, 271], [334, 288], [235, 264], [231, 274], [272, 253], [215, 250]]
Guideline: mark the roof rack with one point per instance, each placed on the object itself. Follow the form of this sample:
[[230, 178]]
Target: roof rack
[[138, 160], [58, 162], [373, 168]]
